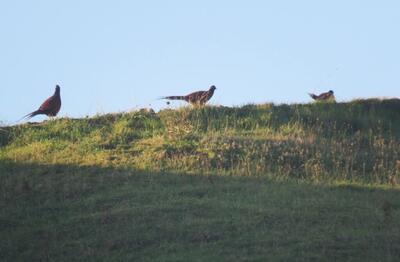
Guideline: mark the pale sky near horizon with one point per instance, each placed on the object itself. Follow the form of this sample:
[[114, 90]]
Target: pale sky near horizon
[[114, 56]]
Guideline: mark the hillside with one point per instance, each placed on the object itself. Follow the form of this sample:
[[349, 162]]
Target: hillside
[[357, 141], [315, 182]]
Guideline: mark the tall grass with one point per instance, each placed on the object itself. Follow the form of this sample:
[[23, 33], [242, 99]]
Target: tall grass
[[355, 141]]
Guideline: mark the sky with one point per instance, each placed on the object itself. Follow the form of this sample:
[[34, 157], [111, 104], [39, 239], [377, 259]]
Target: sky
[[117, 56]]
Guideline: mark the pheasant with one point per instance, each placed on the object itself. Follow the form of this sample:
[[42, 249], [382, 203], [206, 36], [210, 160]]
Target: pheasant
[[195, 98], [50, 107], [323, 96]]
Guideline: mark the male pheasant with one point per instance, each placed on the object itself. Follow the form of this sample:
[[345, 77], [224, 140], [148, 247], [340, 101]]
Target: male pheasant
[[195, 98], [323, 96], [50, 107]]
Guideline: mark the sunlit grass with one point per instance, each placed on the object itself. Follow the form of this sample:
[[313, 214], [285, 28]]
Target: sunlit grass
[[357, 141]]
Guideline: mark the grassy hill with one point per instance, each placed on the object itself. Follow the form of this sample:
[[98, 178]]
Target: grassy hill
[[277, 182], [357, 141]]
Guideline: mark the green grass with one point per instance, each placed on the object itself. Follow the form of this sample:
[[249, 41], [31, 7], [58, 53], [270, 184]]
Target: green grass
[[258, 182], [67, 213], [356, 142]]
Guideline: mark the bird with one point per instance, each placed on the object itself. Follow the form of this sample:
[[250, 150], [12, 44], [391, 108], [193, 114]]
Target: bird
[[323, 96], [195, 98], [50, 107]]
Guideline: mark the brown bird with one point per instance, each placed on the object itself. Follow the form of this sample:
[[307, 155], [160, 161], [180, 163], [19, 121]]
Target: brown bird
[[195, 98], [50, 107], [324, 96]]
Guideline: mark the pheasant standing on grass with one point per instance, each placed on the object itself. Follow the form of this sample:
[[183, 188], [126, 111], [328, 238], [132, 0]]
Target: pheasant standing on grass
[[195, 98], [324, 96], [50, 107]]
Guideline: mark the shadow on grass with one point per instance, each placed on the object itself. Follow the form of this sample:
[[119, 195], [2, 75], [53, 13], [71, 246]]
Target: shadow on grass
[[66, 212]]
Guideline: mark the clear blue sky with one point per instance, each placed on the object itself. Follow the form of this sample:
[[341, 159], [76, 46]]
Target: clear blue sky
[[113, 56]]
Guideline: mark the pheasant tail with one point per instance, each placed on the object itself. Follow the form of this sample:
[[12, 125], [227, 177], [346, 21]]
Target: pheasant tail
[[313, 96], [175, 97], [30, 115]]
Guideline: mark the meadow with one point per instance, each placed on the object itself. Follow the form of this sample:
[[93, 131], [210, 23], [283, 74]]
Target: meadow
[[278, 182]]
